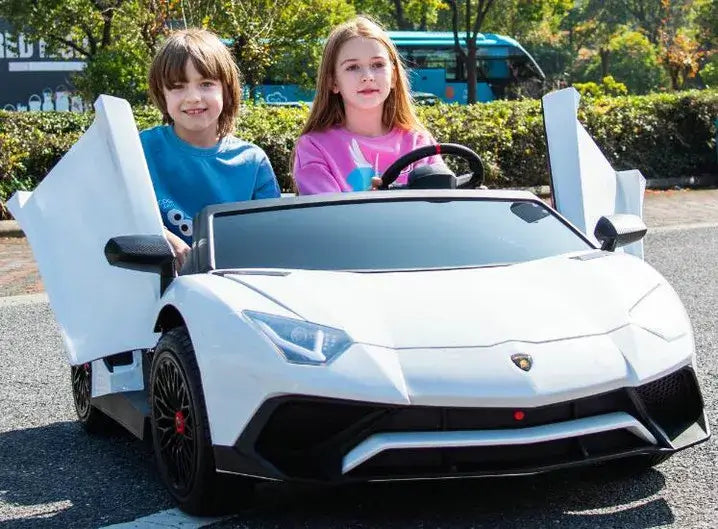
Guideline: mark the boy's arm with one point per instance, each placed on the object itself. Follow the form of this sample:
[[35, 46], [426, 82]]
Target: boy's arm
[[266, 185], [180, 248], [311, 171]]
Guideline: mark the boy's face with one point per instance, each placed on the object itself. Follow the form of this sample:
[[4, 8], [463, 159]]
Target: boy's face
[[195, 107], [363, 73]]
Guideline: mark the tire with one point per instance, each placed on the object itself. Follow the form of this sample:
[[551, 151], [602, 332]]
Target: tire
[[91, 419], [180, 432]]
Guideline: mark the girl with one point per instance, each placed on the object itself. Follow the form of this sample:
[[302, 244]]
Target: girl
[[194, 160], [362, 119]]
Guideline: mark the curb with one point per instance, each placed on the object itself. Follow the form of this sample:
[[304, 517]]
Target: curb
[[10, 228]]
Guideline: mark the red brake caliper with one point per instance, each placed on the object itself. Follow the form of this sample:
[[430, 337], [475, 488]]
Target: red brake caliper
[[179, 423]]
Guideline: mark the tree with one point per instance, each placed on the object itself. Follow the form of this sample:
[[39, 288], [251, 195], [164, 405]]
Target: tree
[[83, 26], [682, 58], [472, 27], [635, 62], [267, 31], [401, 14], [528, 20], [115, 38]]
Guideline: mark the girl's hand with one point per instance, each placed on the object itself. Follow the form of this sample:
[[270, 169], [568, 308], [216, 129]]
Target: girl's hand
[[179, 247], [375, 183]]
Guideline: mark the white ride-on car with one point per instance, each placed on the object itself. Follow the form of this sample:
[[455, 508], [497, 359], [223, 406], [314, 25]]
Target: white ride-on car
[[423, 332]]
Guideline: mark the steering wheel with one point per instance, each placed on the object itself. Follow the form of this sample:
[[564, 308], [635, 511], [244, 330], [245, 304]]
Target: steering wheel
[[471, 180]]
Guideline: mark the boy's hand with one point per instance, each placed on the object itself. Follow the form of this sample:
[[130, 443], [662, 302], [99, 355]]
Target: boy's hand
[[179, 247], [375, 183]]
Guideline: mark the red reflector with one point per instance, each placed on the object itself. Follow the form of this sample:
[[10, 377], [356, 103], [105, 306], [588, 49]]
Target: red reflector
[[519, 415], [438, 149]]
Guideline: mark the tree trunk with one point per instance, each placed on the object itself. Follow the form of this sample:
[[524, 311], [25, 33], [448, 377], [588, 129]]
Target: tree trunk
[[605, 55], [401, 22], [107, 28], [471, 71], [674, 75]]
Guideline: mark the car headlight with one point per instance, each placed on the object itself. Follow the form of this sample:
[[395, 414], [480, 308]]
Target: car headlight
[[661, 312], [299, 341]]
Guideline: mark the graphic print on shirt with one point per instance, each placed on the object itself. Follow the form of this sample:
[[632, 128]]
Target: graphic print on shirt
[[176, 217], [359, 179]]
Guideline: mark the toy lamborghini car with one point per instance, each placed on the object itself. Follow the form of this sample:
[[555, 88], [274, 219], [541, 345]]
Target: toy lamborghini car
[[410, 333]]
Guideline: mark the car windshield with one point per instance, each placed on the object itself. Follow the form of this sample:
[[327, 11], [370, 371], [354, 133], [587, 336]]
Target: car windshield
[[382, 235]]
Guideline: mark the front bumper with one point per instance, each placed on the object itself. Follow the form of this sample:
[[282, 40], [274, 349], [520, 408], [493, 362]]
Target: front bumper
[[319, 439]]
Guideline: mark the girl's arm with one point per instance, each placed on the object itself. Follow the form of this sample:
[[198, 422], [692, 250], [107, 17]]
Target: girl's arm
[[312, 174]]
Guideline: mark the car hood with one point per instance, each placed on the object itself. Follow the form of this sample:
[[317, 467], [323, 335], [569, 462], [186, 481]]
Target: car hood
[[548, 299]]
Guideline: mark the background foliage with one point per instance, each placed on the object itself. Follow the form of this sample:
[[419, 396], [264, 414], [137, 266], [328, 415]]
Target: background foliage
[[663, 135]]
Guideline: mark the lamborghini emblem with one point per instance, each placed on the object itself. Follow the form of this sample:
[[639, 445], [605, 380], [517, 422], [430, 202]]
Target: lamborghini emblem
[[522, 361]]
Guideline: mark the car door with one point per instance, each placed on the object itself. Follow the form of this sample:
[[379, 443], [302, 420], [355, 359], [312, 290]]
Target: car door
[[100, 189], [584, 186]]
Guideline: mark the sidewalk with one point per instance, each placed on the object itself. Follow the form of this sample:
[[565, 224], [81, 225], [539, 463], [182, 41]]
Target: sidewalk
[[19, 275]]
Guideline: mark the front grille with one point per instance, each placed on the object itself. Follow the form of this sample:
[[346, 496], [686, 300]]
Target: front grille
[[304, 437], [673, 401]]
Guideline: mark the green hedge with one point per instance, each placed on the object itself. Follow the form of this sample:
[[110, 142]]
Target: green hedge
[[663, 135]]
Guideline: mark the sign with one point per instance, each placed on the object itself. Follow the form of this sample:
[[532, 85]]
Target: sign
[[31, 79]]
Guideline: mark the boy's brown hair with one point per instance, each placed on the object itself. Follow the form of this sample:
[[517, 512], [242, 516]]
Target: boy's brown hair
[[212, 60]]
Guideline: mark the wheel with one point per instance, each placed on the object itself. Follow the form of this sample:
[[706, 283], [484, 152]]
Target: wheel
[[92, 419], [180, 431]]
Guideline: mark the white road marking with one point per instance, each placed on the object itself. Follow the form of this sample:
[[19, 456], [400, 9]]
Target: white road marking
[[173, 518], [15, 512]]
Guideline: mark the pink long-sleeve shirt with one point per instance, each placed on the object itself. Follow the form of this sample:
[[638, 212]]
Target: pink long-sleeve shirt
[[336, 160]]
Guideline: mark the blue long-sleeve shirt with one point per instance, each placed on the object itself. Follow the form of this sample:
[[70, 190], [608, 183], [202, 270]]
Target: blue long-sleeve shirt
[[187, 178]]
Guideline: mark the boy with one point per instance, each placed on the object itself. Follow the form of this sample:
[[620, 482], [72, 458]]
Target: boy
[[194, 160]]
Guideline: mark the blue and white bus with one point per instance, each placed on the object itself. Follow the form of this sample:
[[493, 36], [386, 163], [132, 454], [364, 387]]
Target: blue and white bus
[[435, 71]]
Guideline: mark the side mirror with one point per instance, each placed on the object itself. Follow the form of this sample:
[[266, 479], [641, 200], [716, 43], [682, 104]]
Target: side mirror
[[619, 230], [146, 253]]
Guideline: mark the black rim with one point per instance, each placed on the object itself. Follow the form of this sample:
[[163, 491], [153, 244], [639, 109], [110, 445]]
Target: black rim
[[81, 376], [175, 424]]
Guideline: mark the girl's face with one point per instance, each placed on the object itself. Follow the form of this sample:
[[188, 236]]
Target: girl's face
[[195, 107], [363, 73]]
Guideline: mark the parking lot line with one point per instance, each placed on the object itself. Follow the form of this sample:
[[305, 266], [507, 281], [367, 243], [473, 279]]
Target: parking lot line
[[172, 519]]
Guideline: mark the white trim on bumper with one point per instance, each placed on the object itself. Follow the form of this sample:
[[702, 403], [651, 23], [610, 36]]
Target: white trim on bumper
[[378, 443]]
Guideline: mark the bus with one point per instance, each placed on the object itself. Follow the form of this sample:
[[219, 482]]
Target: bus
[[435, 72]]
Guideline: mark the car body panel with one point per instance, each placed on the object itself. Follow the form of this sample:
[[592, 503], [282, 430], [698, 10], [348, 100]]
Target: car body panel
[[241, 369], [554, 298], [100, 189]]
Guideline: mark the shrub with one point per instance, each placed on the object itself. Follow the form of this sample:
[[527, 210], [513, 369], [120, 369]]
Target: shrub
[[663, 135]]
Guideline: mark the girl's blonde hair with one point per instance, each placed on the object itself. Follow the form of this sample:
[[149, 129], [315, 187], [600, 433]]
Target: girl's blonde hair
[[212, 60], [328, 108]]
